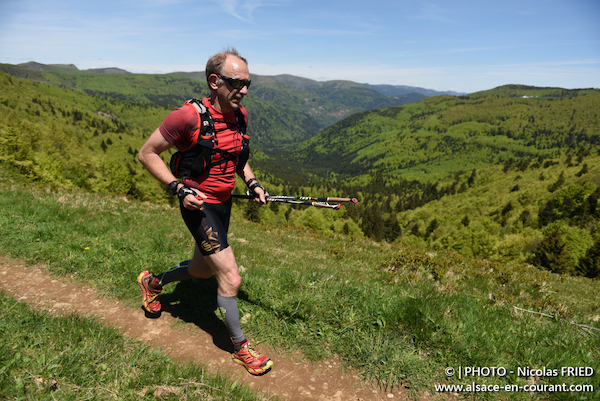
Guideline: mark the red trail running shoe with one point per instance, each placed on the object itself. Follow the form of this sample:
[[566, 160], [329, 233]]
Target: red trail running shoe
[[254, 362], [149, 295]]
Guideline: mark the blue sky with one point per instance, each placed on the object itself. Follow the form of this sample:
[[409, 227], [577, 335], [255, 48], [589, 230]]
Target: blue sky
[[458, 45]]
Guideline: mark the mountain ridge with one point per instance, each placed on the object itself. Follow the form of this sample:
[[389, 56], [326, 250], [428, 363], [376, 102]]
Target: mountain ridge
[[403, 90], [292, 80], [286, 110]]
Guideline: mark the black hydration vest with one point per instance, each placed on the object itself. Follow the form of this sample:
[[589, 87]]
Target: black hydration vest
[[195, 160]]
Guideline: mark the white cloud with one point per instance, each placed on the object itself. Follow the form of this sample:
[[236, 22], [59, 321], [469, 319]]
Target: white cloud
[[244, 9]]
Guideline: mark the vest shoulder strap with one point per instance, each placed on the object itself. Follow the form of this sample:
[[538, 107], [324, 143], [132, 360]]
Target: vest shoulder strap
[[206, 124]]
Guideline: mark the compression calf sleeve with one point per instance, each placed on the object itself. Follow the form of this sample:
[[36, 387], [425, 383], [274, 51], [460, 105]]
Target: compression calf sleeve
[[179, 272], [229, 308]]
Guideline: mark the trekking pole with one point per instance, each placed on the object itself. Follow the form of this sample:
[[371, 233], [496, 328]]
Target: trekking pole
[[310, 198], [303, 200], [293, 201]]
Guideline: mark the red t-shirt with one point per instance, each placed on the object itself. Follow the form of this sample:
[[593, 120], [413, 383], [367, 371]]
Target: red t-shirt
[[218, 182]]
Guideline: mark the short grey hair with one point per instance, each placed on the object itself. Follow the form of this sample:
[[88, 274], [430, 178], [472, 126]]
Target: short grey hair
[[216, 63]]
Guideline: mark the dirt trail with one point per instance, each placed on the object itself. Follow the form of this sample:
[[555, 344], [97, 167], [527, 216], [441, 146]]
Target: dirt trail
[[288, 379]]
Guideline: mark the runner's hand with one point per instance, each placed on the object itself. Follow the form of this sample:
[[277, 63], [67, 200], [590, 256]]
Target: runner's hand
[[261, 195], [192, 202]]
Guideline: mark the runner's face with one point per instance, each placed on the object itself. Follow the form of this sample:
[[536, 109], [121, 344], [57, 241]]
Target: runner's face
[[230, 98]]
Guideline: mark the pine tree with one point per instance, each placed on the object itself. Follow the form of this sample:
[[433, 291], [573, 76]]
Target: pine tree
[[592, 202], [558, 183], [525, 218], [546, 214], [431, 228], [584, 169], [372, 223], [392, 228], [471, 179], [367, 222], [377, 224], [552, 253], [414, 228], [252, 212], [589, 266]]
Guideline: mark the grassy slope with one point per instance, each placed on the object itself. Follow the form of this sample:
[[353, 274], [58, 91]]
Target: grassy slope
[[397, 314], [69, 357]]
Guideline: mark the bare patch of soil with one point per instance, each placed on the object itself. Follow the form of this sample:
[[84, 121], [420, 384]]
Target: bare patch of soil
[[289, 379]]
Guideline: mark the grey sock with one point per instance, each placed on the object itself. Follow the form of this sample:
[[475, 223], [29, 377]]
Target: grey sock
[[231, 314], [179, 272]]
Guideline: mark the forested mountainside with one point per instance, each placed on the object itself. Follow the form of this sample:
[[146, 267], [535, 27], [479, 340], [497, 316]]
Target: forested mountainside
[[68, 139], [285, 110], [443, 134], [499, 176]]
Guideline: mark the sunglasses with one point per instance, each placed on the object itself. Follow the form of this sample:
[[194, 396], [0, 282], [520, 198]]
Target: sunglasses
[[235, 82]]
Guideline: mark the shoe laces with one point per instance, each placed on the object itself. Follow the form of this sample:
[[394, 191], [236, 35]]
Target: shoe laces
[[152, 297], [252, 353]]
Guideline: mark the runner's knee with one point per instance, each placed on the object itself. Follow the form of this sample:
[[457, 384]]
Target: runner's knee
[[229, 284]]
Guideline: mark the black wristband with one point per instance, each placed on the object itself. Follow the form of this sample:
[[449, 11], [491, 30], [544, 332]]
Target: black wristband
[[251, 180], [185, 191], [254, 186], [173, 186]]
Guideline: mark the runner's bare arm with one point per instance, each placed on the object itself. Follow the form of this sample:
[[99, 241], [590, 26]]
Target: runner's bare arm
[[246, 175], [149, 156]]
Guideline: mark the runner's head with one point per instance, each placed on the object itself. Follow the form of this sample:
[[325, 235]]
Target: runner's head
[[228, 78]]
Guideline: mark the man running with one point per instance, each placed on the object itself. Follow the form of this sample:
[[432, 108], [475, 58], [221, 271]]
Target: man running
[[205, 200]]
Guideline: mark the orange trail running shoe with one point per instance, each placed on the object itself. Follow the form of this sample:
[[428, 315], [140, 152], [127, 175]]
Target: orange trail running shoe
[[149, 295], [254, 362]]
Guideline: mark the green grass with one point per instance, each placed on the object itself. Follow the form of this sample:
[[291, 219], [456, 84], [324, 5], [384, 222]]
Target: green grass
[[398, 315], [68, 357]]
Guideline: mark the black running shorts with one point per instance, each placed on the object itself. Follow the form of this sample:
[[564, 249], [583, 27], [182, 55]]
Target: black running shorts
[[209, 225]]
